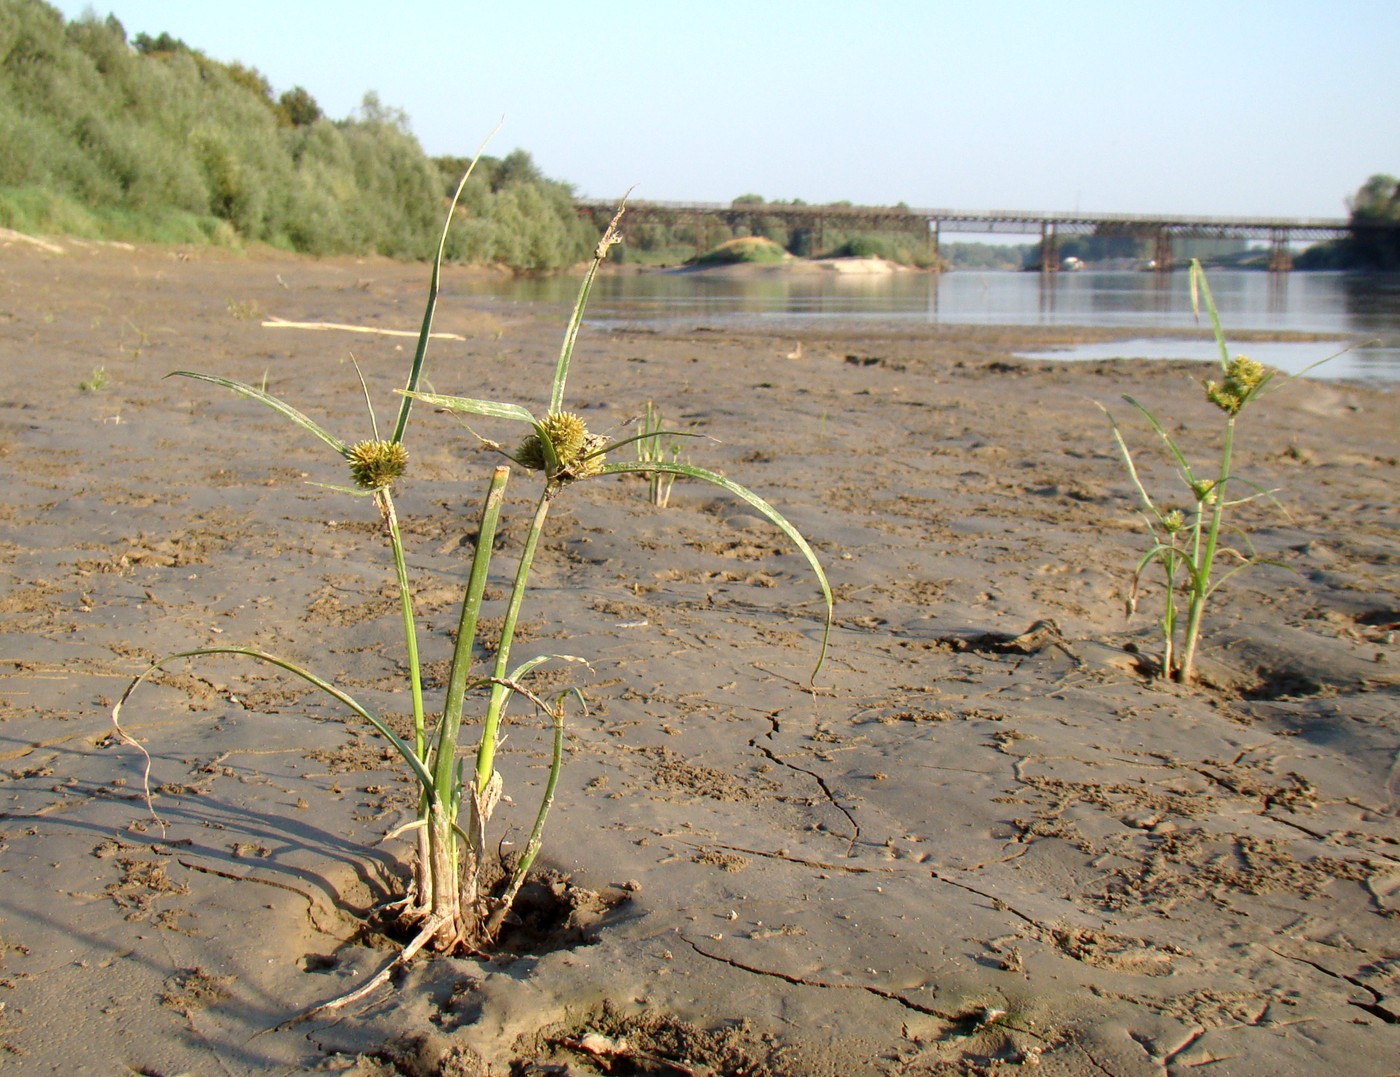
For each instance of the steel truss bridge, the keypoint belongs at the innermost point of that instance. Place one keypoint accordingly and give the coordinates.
(930, 224)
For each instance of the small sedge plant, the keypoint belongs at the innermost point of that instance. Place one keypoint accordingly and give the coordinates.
(1186, 539)
(447, 901)
(653, 446)
(96, 381)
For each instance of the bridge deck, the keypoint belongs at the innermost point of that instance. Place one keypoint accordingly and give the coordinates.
(905, 218)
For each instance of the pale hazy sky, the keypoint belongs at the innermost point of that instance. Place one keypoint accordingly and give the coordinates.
(1275, 107)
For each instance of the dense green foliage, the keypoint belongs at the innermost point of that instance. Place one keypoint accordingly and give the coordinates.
(150, 139)
(512, 215)
(894, 247)
(1100, 248)
(1376, 203)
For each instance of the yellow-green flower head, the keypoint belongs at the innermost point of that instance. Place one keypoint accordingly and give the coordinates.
(1204, 491)
(572, 443)
(1173, 521)
(1242, 377)
(376, 464)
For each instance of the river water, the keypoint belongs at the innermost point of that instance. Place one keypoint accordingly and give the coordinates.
(1344, 307)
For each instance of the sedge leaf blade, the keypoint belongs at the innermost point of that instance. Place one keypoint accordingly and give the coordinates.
(425, 332)
(775, 517)
(408, 754)
(279, 406)
(495, 409)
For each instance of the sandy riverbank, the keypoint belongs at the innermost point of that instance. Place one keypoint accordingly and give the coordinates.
(973, 845)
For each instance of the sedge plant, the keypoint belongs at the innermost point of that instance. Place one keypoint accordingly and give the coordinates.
(375, 464)
(562, 451)
(448, 901)
(653, 446)
(96, 381)
(1187, 540)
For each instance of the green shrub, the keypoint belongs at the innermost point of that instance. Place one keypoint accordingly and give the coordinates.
(755, 249)
(866, 247)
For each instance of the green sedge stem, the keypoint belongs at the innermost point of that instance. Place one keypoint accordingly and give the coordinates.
(532, 847)
(1200, 583)
(385, 503)
(445, 760)
(490, 730)
(440, 834)
(1169, 614)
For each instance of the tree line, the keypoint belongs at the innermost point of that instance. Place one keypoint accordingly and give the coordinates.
(149, 139)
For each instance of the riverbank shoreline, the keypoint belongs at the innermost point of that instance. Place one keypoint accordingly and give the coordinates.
(983, 837)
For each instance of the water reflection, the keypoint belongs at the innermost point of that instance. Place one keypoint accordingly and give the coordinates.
(1347, 306)
(1371, 299)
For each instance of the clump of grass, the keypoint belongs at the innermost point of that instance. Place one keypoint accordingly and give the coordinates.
(655, 445)
(95, 382)
(1186, 536)
(447, 901)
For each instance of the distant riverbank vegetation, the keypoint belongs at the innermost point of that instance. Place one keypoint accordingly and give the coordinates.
(148, 139)
(1376, 203)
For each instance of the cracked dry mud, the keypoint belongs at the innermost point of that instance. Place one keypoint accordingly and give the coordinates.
(985, 840)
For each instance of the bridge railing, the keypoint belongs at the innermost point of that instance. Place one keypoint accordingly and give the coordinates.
(960, 216)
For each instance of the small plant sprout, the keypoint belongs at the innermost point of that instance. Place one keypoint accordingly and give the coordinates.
(96, 381)
(456, 900)
(652, 446)
(1186, 537)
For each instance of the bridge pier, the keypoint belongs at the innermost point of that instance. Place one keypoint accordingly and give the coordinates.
(1280, 257)
(1162, 251)
(1049, 258)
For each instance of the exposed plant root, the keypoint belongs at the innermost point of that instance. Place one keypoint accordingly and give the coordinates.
(429, 930)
